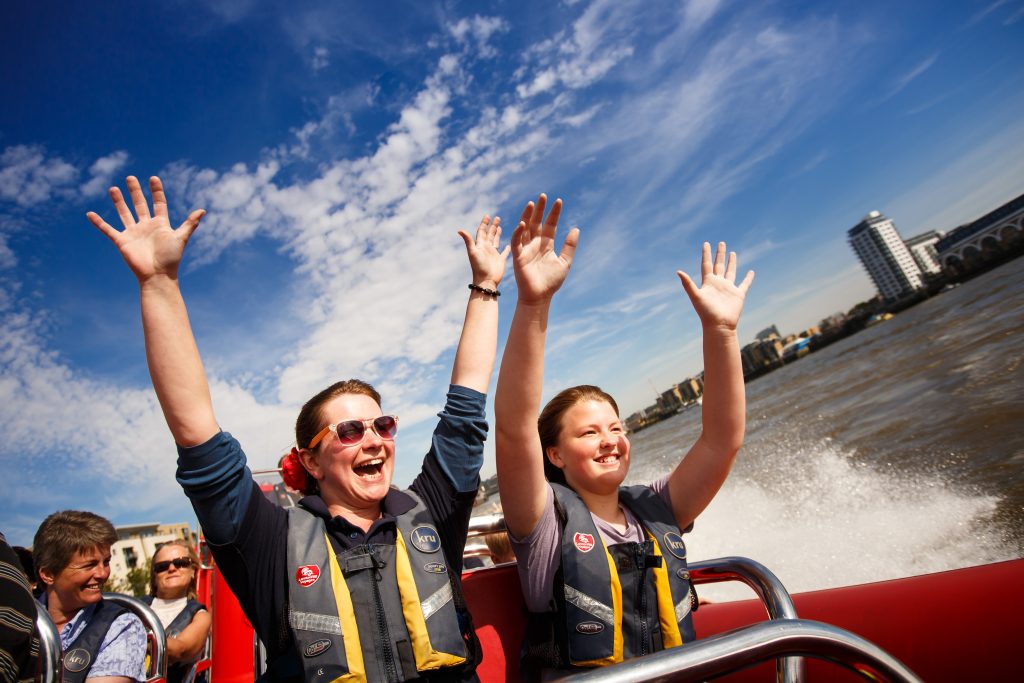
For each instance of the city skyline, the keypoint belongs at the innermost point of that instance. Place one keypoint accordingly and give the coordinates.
(338, 151)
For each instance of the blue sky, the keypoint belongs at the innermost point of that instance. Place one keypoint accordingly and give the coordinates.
(337, 148)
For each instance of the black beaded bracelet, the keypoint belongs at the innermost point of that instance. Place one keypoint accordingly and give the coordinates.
(483, 290)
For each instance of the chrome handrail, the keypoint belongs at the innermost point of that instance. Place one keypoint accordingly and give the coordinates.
(158, 665)
(769, 589)
(51, 664)
(486, 524)
(725, 653)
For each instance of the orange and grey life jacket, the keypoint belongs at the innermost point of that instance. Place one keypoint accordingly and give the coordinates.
(374, 612)
(81, 653)
(617, 602)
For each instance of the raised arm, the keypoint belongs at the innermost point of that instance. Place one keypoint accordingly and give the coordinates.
(474, 359)
(539, 273)
(718, 302)
(153, 250)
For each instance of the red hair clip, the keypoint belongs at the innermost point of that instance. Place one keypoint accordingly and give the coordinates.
(294, 474)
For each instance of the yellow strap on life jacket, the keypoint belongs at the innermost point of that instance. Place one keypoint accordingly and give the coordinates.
(427, 658)
(347, 615)
(616, 589)
(670, 636)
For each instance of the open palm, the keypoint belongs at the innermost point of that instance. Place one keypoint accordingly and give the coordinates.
(539, 270)
(719, 300)
(149, 245)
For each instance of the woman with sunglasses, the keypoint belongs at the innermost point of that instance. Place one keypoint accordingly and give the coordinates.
(602, 566)
(360, 581)
(172, 595)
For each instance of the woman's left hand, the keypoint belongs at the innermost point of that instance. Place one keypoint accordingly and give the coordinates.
(487, 262)
(719, 300)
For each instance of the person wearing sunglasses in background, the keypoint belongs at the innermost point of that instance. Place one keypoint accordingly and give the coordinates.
(360, 580)
(172, 588)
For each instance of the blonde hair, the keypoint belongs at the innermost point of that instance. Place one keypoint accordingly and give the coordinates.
(195, 567)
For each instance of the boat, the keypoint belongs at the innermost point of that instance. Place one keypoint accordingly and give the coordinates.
(956, 625)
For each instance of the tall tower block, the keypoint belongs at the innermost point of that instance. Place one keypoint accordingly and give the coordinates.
(886, 258)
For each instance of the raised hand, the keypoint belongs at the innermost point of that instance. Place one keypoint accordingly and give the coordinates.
(539, 270)
(149, 245)
(719, 300)
(487, 262)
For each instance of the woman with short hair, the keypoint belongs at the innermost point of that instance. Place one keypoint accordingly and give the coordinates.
(101, 641)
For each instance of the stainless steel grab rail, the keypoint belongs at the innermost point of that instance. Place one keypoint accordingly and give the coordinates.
(158, 664)
(769, 589)
(725, 653)
(51, 664)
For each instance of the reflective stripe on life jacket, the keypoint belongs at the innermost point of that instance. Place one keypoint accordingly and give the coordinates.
(601, 586)
(81, 653)
(373, 612)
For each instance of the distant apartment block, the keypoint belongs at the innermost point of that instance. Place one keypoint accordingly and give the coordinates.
(885, 256)
(922, 248)
(768, 333)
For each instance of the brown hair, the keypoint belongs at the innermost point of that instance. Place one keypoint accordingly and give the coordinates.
(65, 533)
(195, 567)
(549, 424)
(311, 418)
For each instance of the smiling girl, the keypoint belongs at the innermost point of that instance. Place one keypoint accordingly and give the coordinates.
(602, 566)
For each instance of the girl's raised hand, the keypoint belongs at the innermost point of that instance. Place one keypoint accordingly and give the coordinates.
(148, 243)
(487, 262)
(539, 270)
(719, 300)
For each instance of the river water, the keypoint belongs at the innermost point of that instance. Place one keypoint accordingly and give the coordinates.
(895, 452)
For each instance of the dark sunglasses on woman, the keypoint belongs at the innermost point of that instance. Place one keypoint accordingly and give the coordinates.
(179, 562)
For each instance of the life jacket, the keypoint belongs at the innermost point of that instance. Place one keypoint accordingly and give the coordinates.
(374, 612)
(618, 602)
(81, 653)
(179, 670)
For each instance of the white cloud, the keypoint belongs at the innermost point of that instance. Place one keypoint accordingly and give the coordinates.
(101, 173)
(906, 79)
(28, 177)
(698, 12)
(599, 40)
(321, 58)
(478, 31)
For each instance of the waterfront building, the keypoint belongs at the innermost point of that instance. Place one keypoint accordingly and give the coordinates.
(884, 255)
(768, 333)
(136, 544)
(670, 399)
(691, 389)
(761, 355)
(922, 248)
(997, 235)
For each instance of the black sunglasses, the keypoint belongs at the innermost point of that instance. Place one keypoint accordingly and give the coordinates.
(179, 562)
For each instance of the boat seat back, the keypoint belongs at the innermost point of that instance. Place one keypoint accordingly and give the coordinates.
(156, 640)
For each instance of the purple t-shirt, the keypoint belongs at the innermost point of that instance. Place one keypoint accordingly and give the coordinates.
(539, 554)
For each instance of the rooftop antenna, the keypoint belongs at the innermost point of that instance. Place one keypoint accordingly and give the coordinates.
(657, 394)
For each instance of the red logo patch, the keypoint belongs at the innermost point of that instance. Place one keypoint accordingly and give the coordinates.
(307, 575)
(583, 542)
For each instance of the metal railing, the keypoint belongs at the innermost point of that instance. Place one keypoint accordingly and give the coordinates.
(726, 653)
(155, 635)
(769, 589)
(50, 666)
